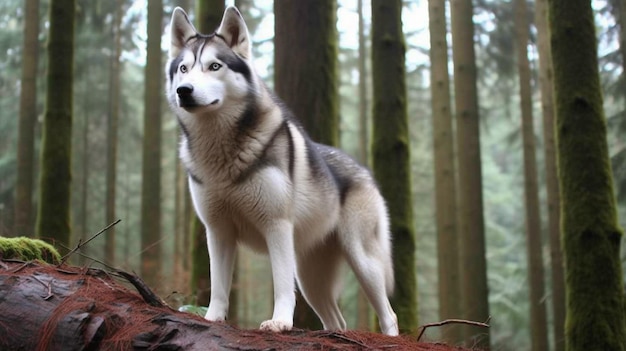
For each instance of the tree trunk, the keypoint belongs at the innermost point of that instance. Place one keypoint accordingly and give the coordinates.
(591, 236)
(445, 182)
(53, 213)
(391, 152)
(151, 164)
(305, 78)
(534, 247)
(112, 123)
(28, 118)
(363, 94)
(474, 296)
(46, 307)
(552, 183)
(305, 63)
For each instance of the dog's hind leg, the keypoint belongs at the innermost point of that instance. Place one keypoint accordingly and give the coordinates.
(320, 283)
(364, 238)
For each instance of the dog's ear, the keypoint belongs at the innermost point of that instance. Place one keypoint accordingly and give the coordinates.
(234, 30)
(181, 30)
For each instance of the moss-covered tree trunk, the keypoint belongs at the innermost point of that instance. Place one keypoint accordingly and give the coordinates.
(305, 78)
(53, 213)
(391, 151)
(474, 295)
(151, 164)
(28, 116)
(445, 171)
(534, 246)
(552, 183)
(591, 236)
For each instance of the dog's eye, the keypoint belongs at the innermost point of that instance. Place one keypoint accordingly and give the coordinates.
(183, 69)
(214, 66)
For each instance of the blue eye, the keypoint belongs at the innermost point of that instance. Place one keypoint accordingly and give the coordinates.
(214, 66)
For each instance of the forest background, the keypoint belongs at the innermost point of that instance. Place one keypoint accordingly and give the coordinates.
(501, 146)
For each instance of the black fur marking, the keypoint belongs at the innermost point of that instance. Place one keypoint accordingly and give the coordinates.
(319, 156)
(263, 160)
(249, 119)
(174, 66)
(236, 64)
(291, 151)
(194, 178)
(342, 182)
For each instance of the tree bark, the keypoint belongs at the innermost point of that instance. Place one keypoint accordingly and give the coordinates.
(112, 123)
(474, 296)
(445, 172)
(46, 307)
(151, 163)
(28, 119)
(591, 235)
(53, 213)
(391, 151)
(534, 247)
(552, 182)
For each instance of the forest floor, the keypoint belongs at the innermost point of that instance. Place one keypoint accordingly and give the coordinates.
(102, 309)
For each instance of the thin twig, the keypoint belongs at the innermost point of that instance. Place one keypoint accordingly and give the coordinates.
(91, 258)
(81, 244)
(453, 321)
(345, 338)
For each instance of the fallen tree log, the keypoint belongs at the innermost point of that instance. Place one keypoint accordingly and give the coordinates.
(49, 307)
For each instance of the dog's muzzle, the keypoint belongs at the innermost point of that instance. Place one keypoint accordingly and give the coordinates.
(185, 95)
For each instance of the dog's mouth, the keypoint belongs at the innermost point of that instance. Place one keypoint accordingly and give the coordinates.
(191, 105)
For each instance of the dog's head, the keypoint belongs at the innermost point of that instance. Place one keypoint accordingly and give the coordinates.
(206, 71)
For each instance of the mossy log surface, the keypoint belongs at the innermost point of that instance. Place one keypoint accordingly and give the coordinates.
(49, 307)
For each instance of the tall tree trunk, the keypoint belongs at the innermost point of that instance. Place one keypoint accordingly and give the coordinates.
(445, 182)
(53, 213)
(305, 63)
(474, 296)
(305, 78)
(151, 164)
(391, 151)
(538, 321)
(112, 123)
(591, 236)
(363, 97)
(552, 183)
(28, 118)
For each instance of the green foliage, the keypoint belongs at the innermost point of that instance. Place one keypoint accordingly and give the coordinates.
(27, 249)
(197, 310)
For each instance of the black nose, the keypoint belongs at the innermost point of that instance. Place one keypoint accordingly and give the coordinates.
(184, 90)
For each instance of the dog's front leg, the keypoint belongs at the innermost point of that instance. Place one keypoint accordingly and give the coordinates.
(222, 258)
(280, 245)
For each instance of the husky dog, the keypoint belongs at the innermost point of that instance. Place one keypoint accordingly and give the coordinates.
(256, 178)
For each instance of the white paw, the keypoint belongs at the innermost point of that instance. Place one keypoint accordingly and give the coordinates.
(392, 329)
(213, 317)
(276, 326)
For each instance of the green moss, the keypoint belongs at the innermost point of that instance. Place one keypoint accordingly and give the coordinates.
(590, 232)
(28, 249)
